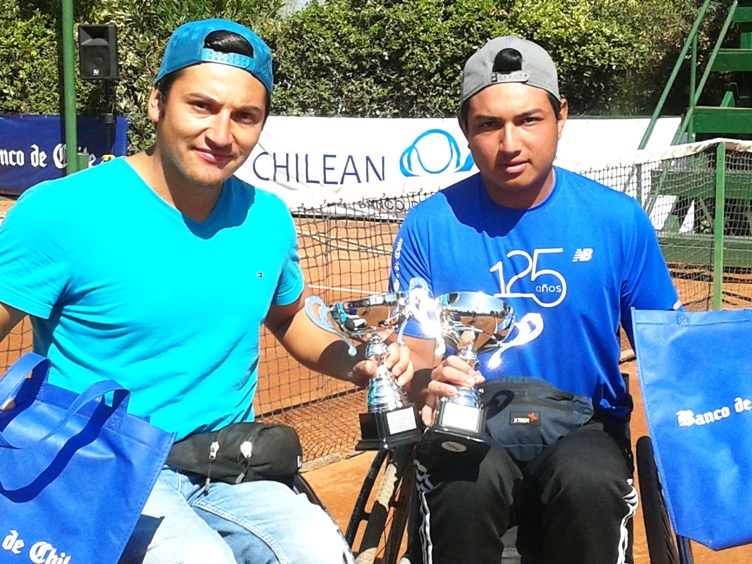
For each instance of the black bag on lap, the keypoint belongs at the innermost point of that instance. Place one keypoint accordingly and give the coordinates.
(241, 452)
(526, 414)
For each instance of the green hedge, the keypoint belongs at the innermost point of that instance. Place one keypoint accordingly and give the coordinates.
(361, 57)
(351, 57)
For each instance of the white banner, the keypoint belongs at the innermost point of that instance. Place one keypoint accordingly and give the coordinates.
(308, 161)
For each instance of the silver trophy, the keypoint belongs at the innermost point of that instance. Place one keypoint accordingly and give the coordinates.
(472, 323)
(391, 419)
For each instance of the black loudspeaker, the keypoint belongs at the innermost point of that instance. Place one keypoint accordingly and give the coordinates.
(97, 51)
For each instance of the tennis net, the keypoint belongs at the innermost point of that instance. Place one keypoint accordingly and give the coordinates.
(697, 195)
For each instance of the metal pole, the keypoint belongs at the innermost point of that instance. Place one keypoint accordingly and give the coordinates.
(692, 86)
(674, 73)
(720, 197)
(706, 74)
(69, 89)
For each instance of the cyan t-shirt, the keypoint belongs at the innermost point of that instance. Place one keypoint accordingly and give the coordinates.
(581, 259)
(120, 285)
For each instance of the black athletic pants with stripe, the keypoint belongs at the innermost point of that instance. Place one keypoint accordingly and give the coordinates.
(573, 503)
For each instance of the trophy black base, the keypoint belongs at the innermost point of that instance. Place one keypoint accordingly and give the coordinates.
(457, 431)
(441, 441)
(390, 429)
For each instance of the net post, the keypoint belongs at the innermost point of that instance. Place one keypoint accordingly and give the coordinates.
(720, 197)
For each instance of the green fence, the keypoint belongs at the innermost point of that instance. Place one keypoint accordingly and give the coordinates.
(698, 197)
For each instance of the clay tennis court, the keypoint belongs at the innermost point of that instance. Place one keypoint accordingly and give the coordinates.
(343, 260)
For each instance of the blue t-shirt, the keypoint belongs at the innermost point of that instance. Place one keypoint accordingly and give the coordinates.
(120, 285)
(581, 259)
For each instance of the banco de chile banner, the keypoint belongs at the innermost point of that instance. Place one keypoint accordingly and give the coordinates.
(311, 160)
(32, 147)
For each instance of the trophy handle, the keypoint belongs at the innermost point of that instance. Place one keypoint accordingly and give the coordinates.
(421, 306)
(528, 329)
(321, 318)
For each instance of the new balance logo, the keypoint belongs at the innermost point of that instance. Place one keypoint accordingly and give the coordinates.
(582, 255)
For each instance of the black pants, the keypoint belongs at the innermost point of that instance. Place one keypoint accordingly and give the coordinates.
(573, 503)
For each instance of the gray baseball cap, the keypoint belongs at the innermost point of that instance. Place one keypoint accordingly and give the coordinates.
(537, 68)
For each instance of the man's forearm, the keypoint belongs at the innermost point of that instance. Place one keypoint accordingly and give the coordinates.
(9, 318)
(318, 349)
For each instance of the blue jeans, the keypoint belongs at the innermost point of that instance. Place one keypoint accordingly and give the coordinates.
(253, 522)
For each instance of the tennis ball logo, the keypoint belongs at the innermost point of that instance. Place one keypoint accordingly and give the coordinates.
(433, 152)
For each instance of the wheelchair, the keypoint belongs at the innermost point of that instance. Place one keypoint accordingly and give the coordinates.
(389, 518)
(379, 519)
(664, 546)
(383, 516)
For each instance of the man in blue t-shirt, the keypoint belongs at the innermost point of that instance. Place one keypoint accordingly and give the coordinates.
(576, 256)
(157, 271)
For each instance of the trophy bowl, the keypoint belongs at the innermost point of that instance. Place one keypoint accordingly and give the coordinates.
(391, 419)
(490, 318)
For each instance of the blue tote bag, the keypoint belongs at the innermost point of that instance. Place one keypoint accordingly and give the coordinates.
(75, 469)
(695, 371)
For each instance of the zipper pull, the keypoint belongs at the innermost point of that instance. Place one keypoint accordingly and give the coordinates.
(246, 449)
(213, 449)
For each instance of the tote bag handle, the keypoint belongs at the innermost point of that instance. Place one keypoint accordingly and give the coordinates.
(39, 366)
(16, 374)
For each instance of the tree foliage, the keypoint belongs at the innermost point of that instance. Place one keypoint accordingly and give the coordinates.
(364, 58)
(377, 58)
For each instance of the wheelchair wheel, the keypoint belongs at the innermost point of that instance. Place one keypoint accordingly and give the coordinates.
(386, 518)
(301, 486)
(662, 543)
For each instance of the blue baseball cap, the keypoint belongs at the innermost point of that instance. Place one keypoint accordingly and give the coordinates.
(186, 48)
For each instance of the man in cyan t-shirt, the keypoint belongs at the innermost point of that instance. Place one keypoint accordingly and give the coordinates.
(157, 271)
(552, 243)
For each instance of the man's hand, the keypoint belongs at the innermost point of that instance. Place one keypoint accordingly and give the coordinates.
(453, 372)
(397, 361)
